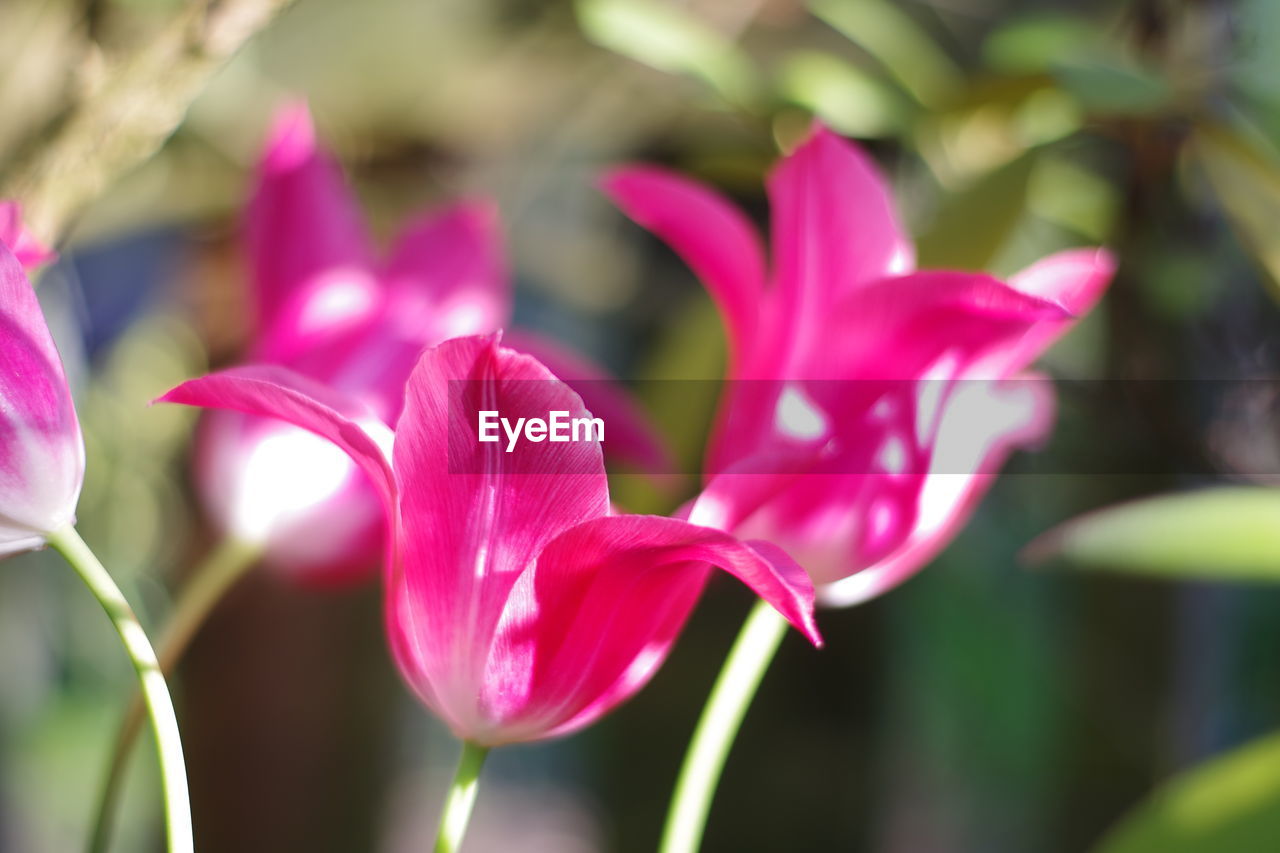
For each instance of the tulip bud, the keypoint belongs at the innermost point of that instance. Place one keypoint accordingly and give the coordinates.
(41, 449)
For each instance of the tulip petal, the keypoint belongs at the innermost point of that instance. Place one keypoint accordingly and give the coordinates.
(897, 335)
(275, 392)
(588, 626)
(718, 243)
(21, 242)
(477, 515)
(311, 259)
(916, 325)
(1074, 279)
(834, 230)
(41, 450)
(629, 435)
(447, 276)
(299, 497)
(734, 495)
(860, 535)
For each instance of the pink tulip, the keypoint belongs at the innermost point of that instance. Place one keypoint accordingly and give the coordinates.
(327, 308)
(41, 450)
(902, 380)
(518, 606)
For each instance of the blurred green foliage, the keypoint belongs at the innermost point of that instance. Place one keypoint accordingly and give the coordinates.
(1221, 534)
(1230, 803)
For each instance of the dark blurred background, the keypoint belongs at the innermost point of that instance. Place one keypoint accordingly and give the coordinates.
(981, 707)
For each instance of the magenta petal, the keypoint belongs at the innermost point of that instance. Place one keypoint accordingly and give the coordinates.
(598, 614)
(41, 451)
(21, 242)
(629, 435)
(1074, 279)
(447, 276)
(824, 523)
(929, 324)
(734, 495)
(923, 327)
(713, 237)
(311, 260)
(275, 392)
(476, 516)
(834, 230)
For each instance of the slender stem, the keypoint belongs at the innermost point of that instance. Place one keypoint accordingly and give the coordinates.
(734, 689)
(173, 771)
(210, 582)
(462, 796)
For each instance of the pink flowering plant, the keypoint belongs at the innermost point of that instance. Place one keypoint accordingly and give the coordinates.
(42, 464)
(328, 308)
(518, 604)
(896, 387)
(565, 341)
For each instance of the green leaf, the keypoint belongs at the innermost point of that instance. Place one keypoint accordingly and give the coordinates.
(1231, 803)
(1034, 44)
(1247, 183)
(891, 36)
(973, 225)
(1072, 196)
(1115, 84)
(846, 97)
(666, 37)
(1220, 534)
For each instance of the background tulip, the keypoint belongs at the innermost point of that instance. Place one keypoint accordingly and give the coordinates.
(887, 382)
(330, 310)
(844, 333)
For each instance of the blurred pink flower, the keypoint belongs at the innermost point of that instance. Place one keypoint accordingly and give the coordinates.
(41, 449)
(903, 380)
(328, 309)
(518, 606)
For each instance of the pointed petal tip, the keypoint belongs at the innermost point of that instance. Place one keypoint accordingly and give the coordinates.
(292, 138)
(797, 607)
(1073, 278)
(621, 184)
(29, 251)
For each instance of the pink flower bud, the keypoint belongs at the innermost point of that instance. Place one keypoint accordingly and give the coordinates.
(41, 449)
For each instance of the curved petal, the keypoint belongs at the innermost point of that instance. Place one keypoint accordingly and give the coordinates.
(859, 535)
(587, 627)
(275, 392)
(718, 243)
(915, 325)
(734, 495)
(1074, 279)
(629, 436)
(475, 516)
(897, 336)
(41, 450)
(834, 230)
(311, 260)
(21, 242)
(447, 276)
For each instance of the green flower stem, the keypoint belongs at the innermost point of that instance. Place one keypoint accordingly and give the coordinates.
(734, 689)
(229, 561)
(155, 692)
(462, 796)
